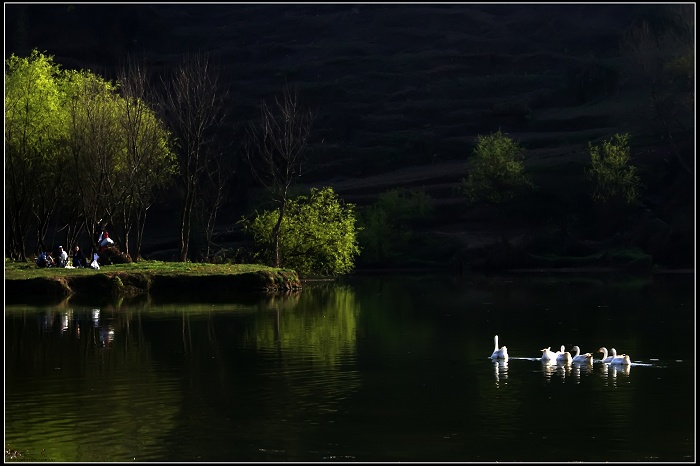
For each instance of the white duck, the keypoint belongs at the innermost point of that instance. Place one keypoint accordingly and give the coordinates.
(499, 353)
(548, 355)
(563, 357)
(581, 358)
(607, 358)
(621, 359)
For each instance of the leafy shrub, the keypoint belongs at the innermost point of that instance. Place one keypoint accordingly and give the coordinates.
(497, 173)
(614, 179)
(317, 236)
(386, 224)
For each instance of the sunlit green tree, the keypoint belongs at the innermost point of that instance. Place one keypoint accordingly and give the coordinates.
(78, 154)
(96, 143)
(35, 131)
(120, 153)
(318, 235)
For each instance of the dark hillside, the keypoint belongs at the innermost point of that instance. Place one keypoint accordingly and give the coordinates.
(412, 82)
(401, 91)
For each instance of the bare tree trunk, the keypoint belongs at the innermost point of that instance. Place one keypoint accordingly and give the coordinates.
(276, 235)
(212, 197)
(275, 151)
(185, 226)
(140, 226)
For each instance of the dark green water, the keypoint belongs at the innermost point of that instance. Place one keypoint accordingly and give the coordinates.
(373, 368)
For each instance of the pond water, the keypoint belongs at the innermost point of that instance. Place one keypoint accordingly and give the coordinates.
(381, 368)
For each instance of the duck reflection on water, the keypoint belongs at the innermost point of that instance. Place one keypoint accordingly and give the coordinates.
(619, 370)
(563, 369)
(500, 367)
(579, 369)
(610, 372)
(549, 368)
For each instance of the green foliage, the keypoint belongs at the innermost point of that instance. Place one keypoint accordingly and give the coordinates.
(386, 223)
(317, 235)
(497, 173)
(35, 128)
(614, 179)
(77, 152)
(682, 69)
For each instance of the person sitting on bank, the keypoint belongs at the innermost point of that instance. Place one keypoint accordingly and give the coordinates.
(79, 259)
(44, 260)
(104, 241)
(62, 259)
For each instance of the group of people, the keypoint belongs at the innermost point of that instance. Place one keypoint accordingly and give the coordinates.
(45, 259)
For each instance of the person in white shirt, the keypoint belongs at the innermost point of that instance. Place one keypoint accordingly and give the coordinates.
(62, 257)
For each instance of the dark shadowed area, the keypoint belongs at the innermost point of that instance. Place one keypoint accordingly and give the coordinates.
(400, 94)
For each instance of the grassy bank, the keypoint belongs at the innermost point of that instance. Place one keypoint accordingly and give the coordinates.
(24, 281)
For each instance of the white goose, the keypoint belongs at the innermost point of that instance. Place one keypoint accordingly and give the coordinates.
(548, 355)
(499, 353)
(581, 358)
(620, 359)
(607, 358)
(563, 357)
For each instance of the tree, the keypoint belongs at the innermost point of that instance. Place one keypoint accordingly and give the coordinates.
(96, 145)
(78, 154)
(35, 131)
(213, 195)
(148, 164)
(318, 234)
(120, 153)
(387, 223)
(615, 180)
(193, 105)
(497, 173)
(659, 54)
(275, 152)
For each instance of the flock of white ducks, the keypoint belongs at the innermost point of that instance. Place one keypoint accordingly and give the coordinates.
(564, 357)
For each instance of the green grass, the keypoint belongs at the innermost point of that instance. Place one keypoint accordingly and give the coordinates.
(16, 270)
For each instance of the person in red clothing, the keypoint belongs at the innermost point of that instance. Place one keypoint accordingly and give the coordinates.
(104, 241)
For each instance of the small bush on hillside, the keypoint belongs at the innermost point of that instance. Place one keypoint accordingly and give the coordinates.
(614, 179)
(387, 224)
(497, 173)
(615, 184)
